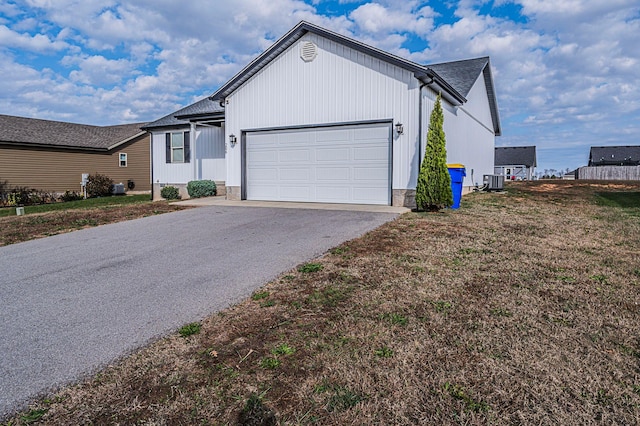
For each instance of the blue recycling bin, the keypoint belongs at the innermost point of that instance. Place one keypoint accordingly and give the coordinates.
(457, 173)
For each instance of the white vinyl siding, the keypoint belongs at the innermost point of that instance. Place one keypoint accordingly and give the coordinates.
(338, 164)
(340, 85)
(209, 157)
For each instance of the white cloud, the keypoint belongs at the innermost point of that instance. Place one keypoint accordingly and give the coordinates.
(35, 43)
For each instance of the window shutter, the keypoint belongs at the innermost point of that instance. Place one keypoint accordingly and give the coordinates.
(168, 147)
(187, 147)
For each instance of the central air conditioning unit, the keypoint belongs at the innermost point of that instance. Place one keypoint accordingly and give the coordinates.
(493, 182)
(117, 189)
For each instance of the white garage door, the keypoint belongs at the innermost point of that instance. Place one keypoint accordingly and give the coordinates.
(342, 164)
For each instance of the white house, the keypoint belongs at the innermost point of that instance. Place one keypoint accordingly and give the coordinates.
(320, 117)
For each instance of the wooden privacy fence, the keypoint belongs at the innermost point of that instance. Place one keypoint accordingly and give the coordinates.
(609, 173)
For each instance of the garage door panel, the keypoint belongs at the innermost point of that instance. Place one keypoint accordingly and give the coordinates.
(293, 138)
(294, 155)
(333, 154)
(334, 135)
(262, 157)
(332, 194)
(370, 174)
(370, 133)
(298, 174)
(265, 174)
(333, 173)
(295, 192)
(345, 164)
(375, 153)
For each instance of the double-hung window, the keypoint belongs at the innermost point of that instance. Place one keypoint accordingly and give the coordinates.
(177, 147)
(123, 159)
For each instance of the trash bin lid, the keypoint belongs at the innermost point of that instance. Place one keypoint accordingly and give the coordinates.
(455, 166)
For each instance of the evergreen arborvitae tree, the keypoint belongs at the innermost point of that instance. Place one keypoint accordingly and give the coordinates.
(434, 183)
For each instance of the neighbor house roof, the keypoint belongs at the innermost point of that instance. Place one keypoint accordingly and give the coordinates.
(45, 133)
(204, 108)
(614, 155)
(516, 156)
(452, 79)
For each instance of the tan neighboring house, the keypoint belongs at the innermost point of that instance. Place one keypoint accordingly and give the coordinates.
(53, 155)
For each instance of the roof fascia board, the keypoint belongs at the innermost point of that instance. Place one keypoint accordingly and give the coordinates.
(493, 101)
(49, 146)
(208, 115)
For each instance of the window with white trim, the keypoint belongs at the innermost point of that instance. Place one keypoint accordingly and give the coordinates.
(123, 159)
(177, 147)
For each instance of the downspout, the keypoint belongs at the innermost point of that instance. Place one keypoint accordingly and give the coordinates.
(420, 135)
(151, 165)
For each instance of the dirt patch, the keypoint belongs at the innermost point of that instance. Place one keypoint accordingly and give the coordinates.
(519, 308)
(15, 229)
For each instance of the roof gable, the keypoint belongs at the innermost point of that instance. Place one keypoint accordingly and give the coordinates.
(463, 74)
(516, 156)
(628, 155)
(35, 132)
(452, 79)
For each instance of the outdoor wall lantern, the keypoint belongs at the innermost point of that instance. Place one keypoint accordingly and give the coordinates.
(399, 128)
(232, 140)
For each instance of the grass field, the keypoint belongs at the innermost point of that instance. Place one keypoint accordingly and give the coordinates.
(519, 308)
(51, 219)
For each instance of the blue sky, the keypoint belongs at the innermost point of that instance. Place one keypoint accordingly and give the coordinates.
(567, 72)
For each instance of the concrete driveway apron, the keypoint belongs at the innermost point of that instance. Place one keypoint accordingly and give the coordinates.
(72, 303)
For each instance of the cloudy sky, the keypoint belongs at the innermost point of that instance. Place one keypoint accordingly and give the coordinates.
(567, 72)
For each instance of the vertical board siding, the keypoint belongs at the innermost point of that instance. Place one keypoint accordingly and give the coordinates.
(339, 85)
(209, 157)
(61, 170)
(610, 173)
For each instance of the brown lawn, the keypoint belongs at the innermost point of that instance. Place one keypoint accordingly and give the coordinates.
(519, 308)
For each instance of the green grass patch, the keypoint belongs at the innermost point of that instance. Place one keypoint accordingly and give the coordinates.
(260, 295)
(33, 416)
(190, 329)
(80, 204)
(625, 200)
(310, 267)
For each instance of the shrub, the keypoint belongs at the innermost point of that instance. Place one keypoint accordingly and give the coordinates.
(25, 196)
(170, 193)
(201, 188)
(70, 196)
(99, 186)
(4, 191)
(433, 191)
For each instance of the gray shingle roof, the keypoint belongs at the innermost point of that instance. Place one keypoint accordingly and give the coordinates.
(628, 155)
(516, 156)
(203, 107)
(461, 74)
(36, 132)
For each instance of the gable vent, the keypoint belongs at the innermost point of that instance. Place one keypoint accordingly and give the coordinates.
(308, 51)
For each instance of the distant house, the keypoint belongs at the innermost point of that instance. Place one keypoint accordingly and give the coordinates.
(53, 155)
(612, 163)
(515, 162)
(614, 156)
(572, 175)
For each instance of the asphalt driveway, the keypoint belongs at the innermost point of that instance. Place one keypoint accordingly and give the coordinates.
(70, 304)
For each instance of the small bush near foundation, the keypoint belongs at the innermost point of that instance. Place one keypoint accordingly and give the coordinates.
(70, 196)
(170, 193)
(99, 186)
(201, 188)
